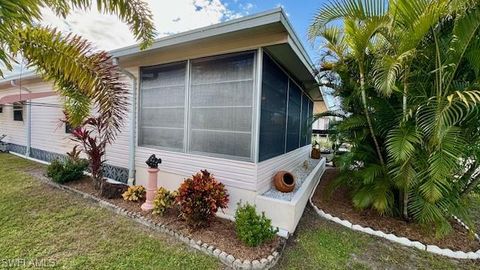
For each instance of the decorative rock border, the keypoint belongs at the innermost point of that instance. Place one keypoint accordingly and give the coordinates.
(224, 257)
(402, 240)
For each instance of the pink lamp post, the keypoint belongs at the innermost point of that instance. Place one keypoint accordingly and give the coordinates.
(152, 163)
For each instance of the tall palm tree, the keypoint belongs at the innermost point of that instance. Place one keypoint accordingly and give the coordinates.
(79, 73)
(426, 69)
(363, 21)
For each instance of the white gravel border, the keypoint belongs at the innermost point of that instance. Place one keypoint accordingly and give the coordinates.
(224, 257)
(473, 255)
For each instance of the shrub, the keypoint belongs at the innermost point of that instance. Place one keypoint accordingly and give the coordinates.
(253, 229)
(67, 171)
(134, 193)
(164, 199)
(200, 197)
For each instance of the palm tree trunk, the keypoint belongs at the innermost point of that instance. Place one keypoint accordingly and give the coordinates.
(367, 115)
(472, 183)
(404, 191)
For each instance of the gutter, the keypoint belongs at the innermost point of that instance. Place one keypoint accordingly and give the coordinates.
(28, 131)
(133, 122)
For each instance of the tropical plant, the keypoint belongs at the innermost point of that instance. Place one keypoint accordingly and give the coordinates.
(164, 199)
(200, 197)
(420, 78)
(71, 169)
(134, 193)
(253, 229)
(91, 135)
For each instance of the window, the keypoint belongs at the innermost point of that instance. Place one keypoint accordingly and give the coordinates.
(218, 92)
(285, 113)
(162, 104)
(273, 110)
(293, 120)
(221, 105)
(68, 128)
(304, 120)
(17, 112)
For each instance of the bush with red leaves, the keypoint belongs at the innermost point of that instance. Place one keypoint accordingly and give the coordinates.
(200, 197)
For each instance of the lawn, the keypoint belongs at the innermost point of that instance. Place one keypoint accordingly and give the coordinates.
(39, 222)
(44, 225)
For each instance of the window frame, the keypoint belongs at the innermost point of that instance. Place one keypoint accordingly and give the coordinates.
(139, 107)
(187, 105)
(303, 94)
(16, 107)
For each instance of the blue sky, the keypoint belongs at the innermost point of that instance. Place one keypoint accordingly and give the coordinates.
(174, 16)
(300, 14)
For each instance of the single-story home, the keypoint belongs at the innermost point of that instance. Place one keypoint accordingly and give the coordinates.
(233, 98)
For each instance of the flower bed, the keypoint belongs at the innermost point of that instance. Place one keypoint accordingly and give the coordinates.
(340, 209)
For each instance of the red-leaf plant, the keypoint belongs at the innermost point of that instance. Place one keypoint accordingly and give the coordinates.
(200, 197)
(92, 137)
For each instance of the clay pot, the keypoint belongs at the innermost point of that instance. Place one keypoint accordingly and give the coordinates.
(315, 153)
(284, 181)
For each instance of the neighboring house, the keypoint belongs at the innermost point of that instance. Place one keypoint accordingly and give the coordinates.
(230, 98)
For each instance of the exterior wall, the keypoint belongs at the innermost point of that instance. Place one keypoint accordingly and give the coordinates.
(287, 162)
(48, 138)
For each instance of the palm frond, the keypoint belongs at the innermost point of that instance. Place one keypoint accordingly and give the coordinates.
(72, 64)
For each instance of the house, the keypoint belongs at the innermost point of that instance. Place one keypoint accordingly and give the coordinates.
(232, 98)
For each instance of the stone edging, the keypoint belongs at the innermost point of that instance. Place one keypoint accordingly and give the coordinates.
(402, 240)
(226, 258)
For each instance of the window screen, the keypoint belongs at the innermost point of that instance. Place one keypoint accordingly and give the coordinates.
(310, 118)
(17, 112)
(293, 121)
(162, 104)
(221, 103)
(273, 110)
(304, 120)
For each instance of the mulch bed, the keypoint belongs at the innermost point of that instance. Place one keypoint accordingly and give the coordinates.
(339, 204)
(220, 234)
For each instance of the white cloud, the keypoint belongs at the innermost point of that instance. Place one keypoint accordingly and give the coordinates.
(107, 32)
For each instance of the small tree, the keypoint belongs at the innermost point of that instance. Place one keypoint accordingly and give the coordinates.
(91, 135)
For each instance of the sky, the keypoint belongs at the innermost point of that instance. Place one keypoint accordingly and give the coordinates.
(174, 16)
(107, 32)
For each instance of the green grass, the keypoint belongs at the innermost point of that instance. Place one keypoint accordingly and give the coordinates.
(42, 223)
(39, 222)
(320, 244)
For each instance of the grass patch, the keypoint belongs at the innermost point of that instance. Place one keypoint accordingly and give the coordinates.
(42, 223)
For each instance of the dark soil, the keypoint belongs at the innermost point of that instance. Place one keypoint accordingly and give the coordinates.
(339, 204)
(220, 234)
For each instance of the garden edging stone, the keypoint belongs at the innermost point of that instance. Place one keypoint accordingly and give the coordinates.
(402, 240)
(227, 259)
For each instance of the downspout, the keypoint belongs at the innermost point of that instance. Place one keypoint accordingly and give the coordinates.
(133, 123)
(28, 131)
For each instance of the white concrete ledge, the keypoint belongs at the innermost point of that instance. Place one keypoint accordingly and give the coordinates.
(401, 240)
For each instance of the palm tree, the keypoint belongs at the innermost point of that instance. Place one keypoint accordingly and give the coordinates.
(362, 23)
(82, 75)
(426, 69)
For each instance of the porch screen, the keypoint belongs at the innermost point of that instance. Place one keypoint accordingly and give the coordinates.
(221, 104)
(162, 103)
(293, 120)
(273, 110)
(304, 120)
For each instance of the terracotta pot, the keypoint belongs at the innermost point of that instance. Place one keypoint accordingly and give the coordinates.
(315, 153)
(284, 181)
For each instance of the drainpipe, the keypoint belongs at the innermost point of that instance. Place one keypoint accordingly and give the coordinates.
(28, 131)
(133, 123)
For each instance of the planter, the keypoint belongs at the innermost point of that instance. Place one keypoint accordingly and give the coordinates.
(315, 153)
(284, 181)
